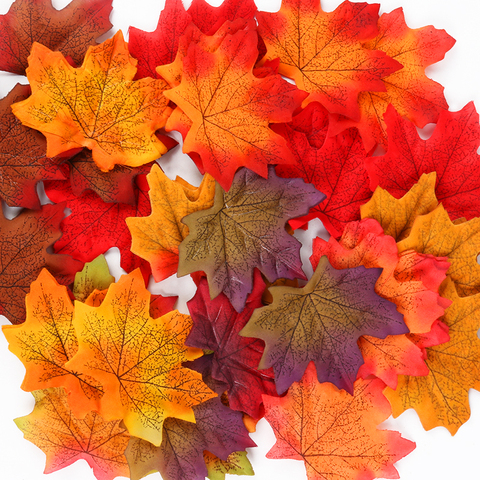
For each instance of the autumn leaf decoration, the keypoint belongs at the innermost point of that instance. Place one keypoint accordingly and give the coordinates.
(281, 114)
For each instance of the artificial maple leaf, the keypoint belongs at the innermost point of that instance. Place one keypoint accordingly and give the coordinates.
(337, 169)
(322, 322)
(397, 216)
(451, 151)
(322, 51)
(23, 162)
(209, 18)
(435, 234)
(71, 30)
(441, 397)
(46, 341)
(216, 429)
(231, 109)
(115, 186)
(156, 238)
(409, 90)
(409, 280)
(65, 439)
(94, 226)
(237, 463)
(137, 359)
(159, 47)
(245, 229)
(94, 275)
(96, 106)
(335, 433)
(216, 327)
(23, 244)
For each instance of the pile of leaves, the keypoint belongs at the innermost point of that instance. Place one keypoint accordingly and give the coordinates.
(388, 320)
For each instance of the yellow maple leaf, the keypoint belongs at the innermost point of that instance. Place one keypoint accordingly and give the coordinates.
(156, 238)
(137, 359)
(97, 106)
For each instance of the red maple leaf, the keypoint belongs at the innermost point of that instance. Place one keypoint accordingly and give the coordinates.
(71, 30)
(337, 169)
(95, 226)
(451, 151)
(216, 325)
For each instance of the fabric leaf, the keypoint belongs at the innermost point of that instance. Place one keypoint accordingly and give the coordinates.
(137, 360)
(156, 238)
(23, 162)
(180, 456)
(71, 30)
(237, 463)
(245, 229)
(322, 51)
(97, 106)
(322, 322)
(65, 439)
(94, 275)
(335, 433)
(441, 397)
(216, 327)
(451, 151)
(231, 109)
(24, 242)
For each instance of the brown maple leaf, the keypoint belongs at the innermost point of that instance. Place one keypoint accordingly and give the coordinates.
(96, 106)
(23, 253)
(71, 30)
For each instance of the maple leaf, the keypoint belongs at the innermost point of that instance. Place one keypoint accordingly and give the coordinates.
(115, 186)
(336, 169)
(231, 109)
(94, 226)
(397, 216)
(71, 30)
(216, 327)
(65, 439)
(322, 51)
(46, 341)
(409, 90)
(156, 238)
(245, 229)
(237, 463)
(209, 18)
(94, 275)
(216, 429)
(322, 322)
(160, 46)
(409, 280)
(451, 151)
(441, 397)
(334, 433)
(137, 360)
(23, 162)
(23, 244)
(435, 234)
(95, 106)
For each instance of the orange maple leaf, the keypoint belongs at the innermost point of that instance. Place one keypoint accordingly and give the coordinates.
(65, 439)
(97, 106)
(231, 109)
(156, 238)
(137, 359)
(333, 432)
(441, 397)
(323, 53)
(46, 341)
(409, 90)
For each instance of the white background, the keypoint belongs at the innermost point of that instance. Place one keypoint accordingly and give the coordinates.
(438, 455)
